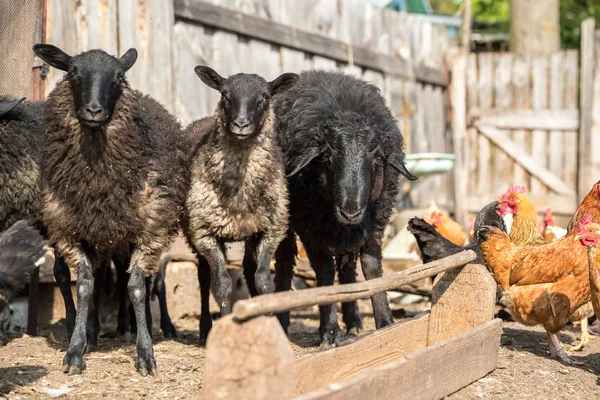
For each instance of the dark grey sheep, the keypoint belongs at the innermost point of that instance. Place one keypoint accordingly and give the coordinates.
(238, 189)
(344, 154)
(114, 176)
(22, 249)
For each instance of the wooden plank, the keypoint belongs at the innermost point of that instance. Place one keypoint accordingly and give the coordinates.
(431, 373)
(461, 299)
(485, 88)
(472, 135)
(555, 138)
(571, 103)
(458, 100)
(286, 301)
(284, 35)
(319, 369)
(502, 99)
(521, 85)
(587, 174)
(539, 100)
(527, 161)
(515, 118)
(253, 359)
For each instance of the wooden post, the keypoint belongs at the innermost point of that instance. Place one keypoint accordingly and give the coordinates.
(250, 360)
(465, 34)
(458, 98)
(586, 172)
(462, 299)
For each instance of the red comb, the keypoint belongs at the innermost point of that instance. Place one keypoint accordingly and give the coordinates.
(517, 189)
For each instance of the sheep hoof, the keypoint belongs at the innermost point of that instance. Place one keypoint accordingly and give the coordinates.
(353, 331)
(146, 366)
(73, 364)
(331, 338)
(169, 331)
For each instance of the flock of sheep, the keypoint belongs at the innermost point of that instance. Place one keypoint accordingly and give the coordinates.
(108, 175)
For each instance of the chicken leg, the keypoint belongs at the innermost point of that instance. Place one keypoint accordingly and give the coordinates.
(558, 352)
(585, 336)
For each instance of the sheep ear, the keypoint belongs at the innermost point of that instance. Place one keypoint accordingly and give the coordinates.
(128, 59)
(283, 82)
(7, 106)
(298, 163)
(398, 164)
(210, 77)
(53, 56)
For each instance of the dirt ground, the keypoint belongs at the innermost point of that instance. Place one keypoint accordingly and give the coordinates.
(30, 366)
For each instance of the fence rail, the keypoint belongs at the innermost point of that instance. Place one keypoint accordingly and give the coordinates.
(286, 301)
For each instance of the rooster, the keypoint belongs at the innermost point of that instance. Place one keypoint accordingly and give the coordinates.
(22, 249)
(433, 246)
(545, 283)
(447, 227)
(523, 228)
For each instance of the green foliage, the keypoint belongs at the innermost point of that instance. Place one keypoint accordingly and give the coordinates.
(494, 16)
(572, 13)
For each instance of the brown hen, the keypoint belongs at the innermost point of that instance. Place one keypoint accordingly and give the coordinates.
(545, 283)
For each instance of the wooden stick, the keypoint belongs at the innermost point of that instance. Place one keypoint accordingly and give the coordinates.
(286, 301)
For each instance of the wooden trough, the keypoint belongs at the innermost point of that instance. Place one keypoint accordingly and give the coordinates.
(426, 357)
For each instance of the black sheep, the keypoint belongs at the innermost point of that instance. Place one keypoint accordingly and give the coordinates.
(434, 246)
(22, 249)
(344, 154)
(114, 176)
(238, 189)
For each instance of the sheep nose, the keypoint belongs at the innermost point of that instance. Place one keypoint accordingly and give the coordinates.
(351, 215)
(94, 110)
(241, 123)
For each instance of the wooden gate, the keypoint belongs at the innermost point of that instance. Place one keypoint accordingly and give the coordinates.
(522, 127)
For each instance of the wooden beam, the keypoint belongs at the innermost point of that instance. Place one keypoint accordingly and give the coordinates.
(556, 120)
(458, 101)
(286, 301)
(586, 176)
(462, 299)
(317, 370)
(252, 360)
(524, 159)
(208, 14)
(431, 373)
(560, 204)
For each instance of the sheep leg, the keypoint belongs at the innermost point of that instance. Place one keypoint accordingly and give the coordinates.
(136, 287)
(370, 260)
(351, 315)
(166, 325)
(122, 278)
(223, 285)
(250, 265)
(73, 362)
(93, 324)
(285, 261)
(324, 267)
(262, 277)
(205, 317)
(62, 275)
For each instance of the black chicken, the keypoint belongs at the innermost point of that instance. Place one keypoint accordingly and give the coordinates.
(434, 246)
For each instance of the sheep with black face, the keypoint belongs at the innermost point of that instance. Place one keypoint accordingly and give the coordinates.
(238, 189)
(22, 249)
(114, 176)
(344, 154)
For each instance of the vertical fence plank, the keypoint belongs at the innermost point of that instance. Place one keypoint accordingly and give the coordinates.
(459, 127)
(556, 162)
(486, 74)
(588, 61)
(503, 166)
(472, 135)
(539, 139)
(570, 138)
(521, 84)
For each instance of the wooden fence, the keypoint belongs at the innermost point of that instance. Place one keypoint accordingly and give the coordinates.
(426, 357)
(400, 53)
